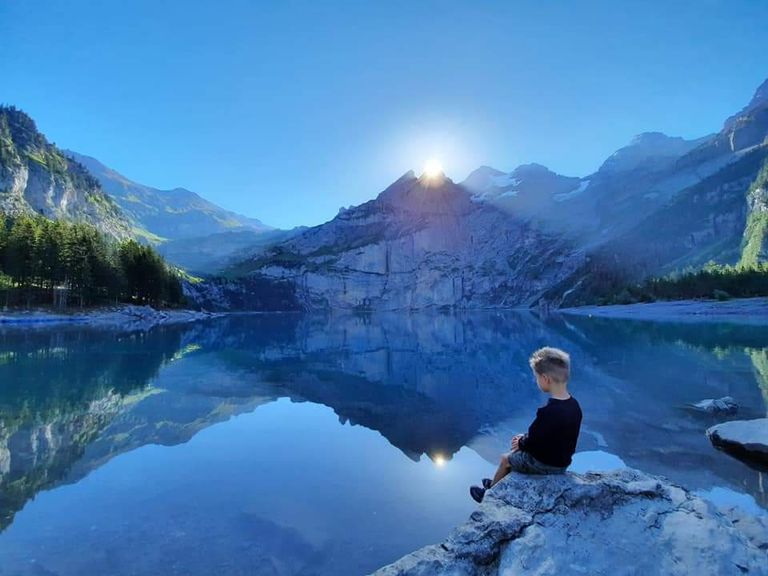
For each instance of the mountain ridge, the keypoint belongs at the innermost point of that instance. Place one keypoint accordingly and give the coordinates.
(171, 214)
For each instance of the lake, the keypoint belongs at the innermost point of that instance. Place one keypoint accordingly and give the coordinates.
(329, 445)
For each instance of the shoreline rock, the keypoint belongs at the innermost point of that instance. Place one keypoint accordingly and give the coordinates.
(621, 522)
(128, 316)
(724, 405)
(745, 439)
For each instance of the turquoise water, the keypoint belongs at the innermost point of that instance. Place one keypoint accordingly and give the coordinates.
(282, 444)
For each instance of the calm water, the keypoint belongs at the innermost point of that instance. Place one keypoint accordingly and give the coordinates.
(288, 445)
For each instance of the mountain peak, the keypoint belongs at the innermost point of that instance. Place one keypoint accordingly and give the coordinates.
(761, 95)
(759, 101)
(486, 170)
(759, 98)
(426, 195)
(532, 169)
(648, 151)
(651, 138)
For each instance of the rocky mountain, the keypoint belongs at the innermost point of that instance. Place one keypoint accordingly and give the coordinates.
(530, 191)
(649, 152)
(497, 239)
(706, 206)
(634, 181)
(659, 204)
(36, 176)
(527, 187)
(167, 214)
(422, 243)
(742, 131)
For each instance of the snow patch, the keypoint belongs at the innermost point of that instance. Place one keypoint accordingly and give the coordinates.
(583, 185)
(499, 186)
(504, 180)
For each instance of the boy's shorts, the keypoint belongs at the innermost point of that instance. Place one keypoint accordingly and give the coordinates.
(526, 464)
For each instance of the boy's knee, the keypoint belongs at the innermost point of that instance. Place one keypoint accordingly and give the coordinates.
(516, 461)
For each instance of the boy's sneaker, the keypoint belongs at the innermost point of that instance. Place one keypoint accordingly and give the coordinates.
(477, 493)
(487, 483)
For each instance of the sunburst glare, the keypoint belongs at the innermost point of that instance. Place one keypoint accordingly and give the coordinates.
(433, 168)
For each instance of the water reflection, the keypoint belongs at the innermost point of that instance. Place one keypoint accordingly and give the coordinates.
(58, 389)
(94, 409)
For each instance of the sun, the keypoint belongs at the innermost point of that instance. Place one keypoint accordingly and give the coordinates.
(433, 168)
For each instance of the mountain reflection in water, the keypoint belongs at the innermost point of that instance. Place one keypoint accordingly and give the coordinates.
(283, 488)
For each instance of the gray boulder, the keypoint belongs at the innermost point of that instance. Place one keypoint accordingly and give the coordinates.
(746, 439)
(622, 522)
(724, 405)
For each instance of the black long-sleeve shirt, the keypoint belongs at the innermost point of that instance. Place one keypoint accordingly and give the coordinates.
(552, 436)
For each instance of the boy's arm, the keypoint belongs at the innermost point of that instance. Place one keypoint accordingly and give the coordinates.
(529, 440)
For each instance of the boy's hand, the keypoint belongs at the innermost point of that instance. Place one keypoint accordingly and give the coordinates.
(516, 442)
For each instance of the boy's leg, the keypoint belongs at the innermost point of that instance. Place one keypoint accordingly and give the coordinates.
(504, 468)
(517, 461)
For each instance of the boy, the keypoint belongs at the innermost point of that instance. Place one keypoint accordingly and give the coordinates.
(548, 446)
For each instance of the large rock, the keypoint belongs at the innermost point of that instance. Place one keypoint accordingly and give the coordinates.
(747, 439)
(622, 522)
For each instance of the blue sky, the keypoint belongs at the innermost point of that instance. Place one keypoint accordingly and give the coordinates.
(288, 110)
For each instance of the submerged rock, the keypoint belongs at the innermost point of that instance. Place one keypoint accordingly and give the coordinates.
(622, 522)
(746, 439)
(724, 405)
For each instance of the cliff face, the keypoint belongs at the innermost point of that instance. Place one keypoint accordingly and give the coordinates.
(703, 222)
(420, 244)
(755, 242)
(35, 176)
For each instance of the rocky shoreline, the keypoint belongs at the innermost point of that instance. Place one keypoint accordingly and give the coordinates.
(746, 310)
(127, 317)
(620, 522)
(742, 310)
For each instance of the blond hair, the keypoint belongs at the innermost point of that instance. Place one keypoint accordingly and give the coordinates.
(552, 362)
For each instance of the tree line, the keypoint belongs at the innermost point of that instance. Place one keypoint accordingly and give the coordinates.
(716, 281)
(45, 261)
